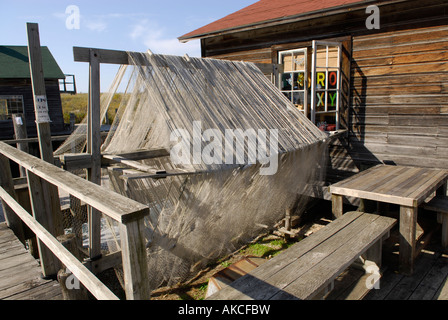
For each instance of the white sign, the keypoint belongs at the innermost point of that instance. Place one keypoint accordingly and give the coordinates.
(19, 121)
(41, 109)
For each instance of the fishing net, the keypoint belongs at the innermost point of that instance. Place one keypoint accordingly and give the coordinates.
(238, 155)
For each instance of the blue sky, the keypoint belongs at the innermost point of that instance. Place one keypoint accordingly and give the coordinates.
(132, 25)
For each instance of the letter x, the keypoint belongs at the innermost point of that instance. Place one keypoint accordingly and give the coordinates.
(321, 101)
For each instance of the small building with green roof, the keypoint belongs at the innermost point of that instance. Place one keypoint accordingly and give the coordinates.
(16, 94)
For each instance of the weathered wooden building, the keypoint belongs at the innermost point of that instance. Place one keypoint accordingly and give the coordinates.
(16, 94)
(380, 72)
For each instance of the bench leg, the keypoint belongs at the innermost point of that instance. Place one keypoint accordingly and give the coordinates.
(321, 295)
(374, 254)
(337, 204)
(372, 260)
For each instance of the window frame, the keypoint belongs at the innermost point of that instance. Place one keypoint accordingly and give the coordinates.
(8, 115)
(314, 70)
(305, 71)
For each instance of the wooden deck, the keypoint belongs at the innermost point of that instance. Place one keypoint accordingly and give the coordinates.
(20, 273)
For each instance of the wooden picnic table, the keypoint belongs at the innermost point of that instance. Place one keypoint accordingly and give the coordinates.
(405, 186)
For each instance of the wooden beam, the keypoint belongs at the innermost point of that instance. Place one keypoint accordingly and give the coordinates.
(108, 159)
(30, 140)
(19, 123)
(89, 280)
(41, 207)
(105, 262)
(135, 265)
(75, 161)
(131, 163)
(94, 149)
(52, 205)
(82, 54)
(39, 93)
(131, 174)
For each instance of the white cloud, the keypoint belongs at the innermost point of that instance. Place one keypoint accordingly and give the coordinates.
(98, 26)
(155, 38)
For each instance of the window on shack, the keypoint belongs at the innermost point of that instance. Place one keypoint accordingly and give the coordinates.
(314, 88)
(10, 105)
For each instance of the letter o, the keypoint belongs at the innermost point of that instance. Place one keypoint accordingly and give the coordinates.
(333, 78)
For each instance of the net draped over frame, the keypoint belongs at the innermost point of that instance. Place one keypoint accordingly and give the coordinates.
(213, 208)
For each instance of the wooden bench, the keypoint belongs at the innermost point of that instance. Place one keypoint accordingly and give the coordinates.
(308, 269)
(439, 204)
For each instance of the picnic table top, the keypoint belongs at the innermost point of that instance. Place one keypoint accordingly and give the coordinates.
(402, 185)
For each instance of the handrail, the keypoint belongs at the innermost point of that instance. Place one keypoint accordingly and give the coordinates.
(112, 204)
(127, 212)
(87, 278)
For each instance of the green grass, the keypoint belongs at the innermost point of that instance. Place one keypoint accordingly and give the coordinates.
(265, 248)
(77, 104)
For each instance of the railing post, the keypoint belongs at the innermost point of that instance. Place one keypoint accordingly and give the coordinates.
(42, 211)
(44, 196)
(19, 123)
(6, 182)
(135, 265)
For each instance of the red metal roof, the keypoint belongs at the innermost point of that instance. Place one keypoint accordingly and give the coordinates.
(264, 11)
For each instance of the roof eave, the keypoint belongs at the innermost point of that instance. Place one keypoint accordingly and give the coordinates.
(289, 19)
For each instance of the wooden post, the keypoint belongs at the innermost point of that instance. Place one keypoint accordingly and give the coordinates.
(135, 265)
(337, 204)
(19, 123)
(78, 216)
(72, 121)
(71, 287)
(288, 222)
(41, 206)
(94, 148)
(408, 230)
(39, 93)
(6, 182)
(48, 195)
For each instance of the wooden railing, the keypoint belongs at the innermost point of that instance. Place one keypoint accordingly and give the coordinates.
(130, 214)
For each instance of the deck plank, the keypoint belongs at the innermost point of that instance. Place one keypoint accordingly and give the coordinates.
(20, 273)
(431, 283)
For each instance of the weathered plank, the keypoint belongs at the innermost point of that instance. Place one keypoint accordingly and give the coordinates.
(20, 273)
(271, 279)
(327, 270)
(407, 186)
(93, 148)
(108, 160)
(104, 56)
(135, 265)
(433, 280)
